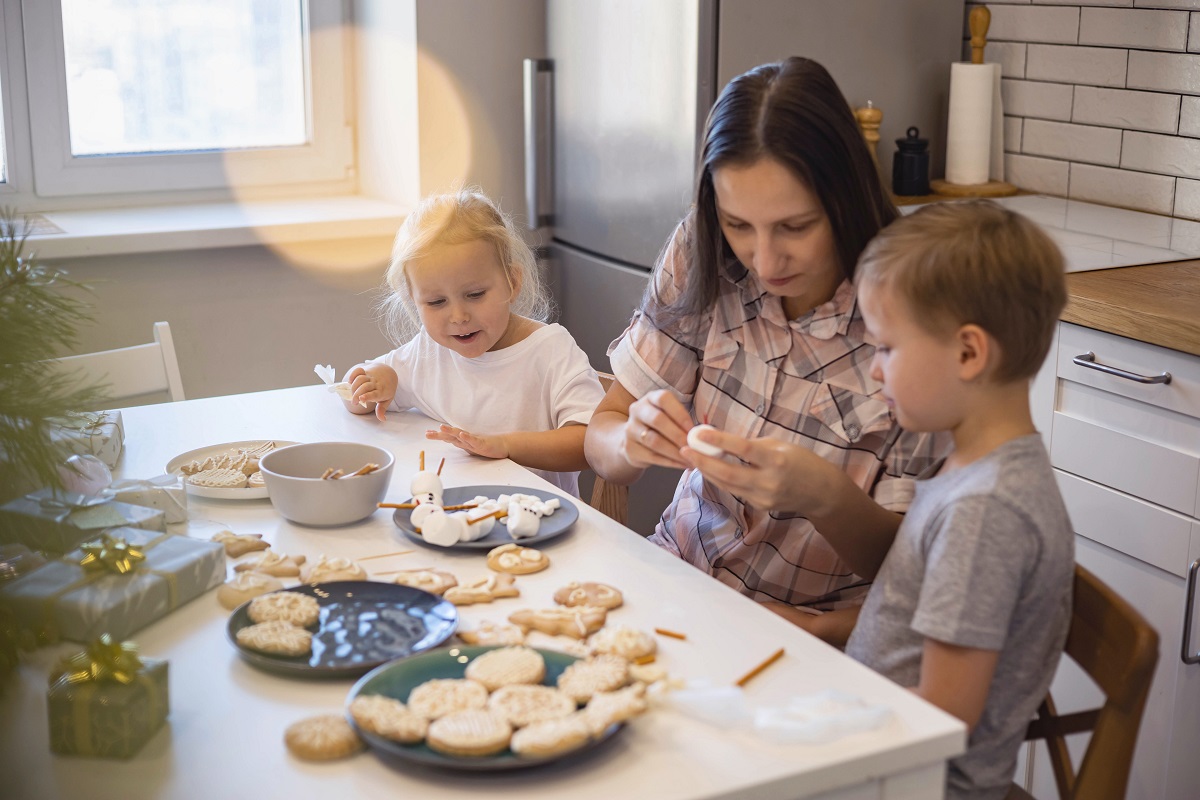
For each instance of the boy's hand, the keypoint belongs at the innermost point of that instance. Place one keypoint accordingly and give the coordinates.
(656, 430)
(372, 384)
(486, 446)
(766, 474)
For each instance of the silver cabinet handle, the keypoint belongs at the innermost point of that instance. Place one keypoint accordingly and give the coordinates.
(539, 142)
(1088, 360)
(1189, 655)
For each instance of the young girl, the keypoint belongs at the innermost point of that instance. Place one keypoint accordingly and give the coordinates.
(467, 298)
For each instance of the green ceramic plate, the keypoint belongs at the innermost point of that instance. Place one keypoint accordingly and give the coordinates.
(398, 678)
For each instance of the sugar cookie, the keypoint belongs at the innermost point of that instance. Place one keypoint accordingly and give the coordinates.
(506, 666)
(524, 704)
(559, 644)
(517, 560)
(589, 594)
(624, 641)
(271, 563)
(551, 737)
(322, 738)
(607, 708)
(578, 622)
(239, 544)
(601, 673)
(295, 608)
(255, 480)
(246, 586)
(491, 633)
(335, 569)
(439, 697)
(484, 590)
(469, 733)
(434, 581)
(389, 718)
(231, 478)
(276, 637)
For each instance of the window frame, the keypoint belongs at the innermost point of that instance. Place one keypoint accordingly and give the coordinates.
(328, 156)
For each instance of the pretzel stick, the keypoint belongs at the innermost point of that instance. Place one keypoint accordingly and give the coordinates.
(421, 465)
(365, 469)
(672, 634)
(498, 513)
(742, 681)
(333, 476)
(325, 475)
(459, 507)
(386, 555)
(440, 465)
(647, 659)
(398, 571)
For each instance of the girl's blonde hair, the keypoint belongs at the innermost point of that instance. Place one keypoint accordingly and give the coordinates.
(457, 218)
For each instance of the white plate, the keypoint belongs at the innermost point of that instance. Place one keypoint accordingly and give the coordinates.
(201, 453)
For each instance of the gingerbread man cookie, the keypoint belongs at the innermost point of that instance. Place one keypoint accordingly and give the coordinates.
(517, 560)
(434, 581)
(240, 544)
(484, 590)
(578, 623)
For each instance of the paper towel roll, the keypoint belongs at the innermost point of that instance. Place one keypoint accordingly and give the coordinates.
(969, 142)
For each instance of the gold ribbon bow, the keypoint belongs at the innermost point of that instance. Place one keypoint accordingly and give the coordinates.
(104, 660)
(111, 553)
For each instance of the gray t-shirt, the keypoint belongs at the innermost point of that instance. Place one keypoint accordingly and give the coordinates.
(983, 559)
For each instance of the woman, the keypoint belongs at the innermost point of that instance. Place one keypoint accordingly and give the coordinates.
(750, 325)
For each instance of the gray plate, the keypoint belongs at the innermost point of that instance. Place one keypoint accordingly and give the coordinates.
(554, 525)
(363, 624)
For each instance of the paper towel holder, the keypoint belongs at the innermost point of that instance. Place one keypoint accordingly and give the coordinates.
(978, 21)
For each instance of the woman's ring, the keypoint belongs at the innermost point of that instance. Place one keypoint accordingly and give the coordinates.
(642, 437)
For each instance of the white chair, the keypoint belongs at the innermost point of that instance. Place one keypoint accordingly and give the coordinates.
(132, 371)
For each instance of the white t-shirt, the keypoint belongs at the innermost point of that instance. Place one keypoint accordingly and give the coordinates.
(539, 384)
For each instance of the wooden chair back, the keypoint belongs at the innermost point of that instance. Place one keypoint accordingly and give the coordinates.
(131, 371)
(1118, 649)
(609, 498)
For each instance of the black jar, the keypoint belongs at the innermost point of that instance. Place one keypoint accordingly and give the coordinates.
(910, 165)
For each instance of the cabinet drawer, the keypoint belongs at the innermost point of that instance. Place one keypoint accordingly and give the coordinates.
(1181, 395)
(1132, 526)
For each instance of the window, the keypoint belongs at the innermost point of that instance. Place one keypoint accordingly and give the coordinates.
(169, 95)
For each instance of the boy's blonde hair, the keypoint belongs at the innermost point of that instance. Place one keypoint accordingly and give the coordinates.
(974, 262)
(457, 218)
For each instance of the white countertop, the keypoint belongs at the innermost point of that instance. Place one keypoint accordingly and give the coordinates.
(223, 738)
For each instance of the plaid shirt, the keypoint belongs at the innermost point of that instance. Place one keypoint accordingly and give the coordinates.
(750, 371)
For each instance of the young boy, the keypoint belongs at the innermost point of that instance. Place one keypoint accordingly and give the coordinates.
(972, 599)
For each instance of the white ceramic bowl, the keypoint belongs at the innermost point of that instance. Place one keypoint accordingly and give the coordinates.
(293, 477)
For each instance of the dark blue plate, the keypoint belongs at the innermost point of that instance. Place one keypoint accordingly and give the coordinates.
(399, 678)
(553, 525)
(363, 624)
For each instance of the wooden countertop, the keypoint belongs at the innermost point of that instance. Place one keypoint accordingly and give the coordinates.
(1156, 303)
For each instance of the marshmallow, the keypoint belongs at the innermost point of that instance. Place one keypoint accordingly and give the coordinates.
(428, 484)
(444, 529)
(702, 447)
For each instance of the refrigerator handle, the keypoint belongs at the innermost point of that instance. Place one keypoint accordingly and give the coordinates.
(539, 142)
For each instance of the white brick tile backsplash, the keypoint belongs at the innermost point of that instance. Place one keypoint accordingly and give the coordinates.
(1187, 198)
(1189, 117)
(1193, 34)
(1072, 142)
(1152, 152)
(1009, 55)
(1092, 66)
(1167, 3)
(1083, 2)
(1143, 28)
(1037, 99)
(1012, 134)
(1042, 175)
(1165, 72)
(1054, 24)
(1121, 108)
(1122, 187)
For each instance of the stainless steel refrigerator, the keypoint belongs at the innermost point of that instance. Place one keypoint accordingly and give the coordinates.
(614, 116)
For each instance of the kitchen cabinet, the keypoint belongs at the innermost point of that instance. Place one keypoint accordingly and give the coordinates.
(1127, 460)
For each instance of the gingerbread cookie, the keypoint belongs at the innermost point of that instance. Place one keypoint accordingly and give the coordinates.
(219, 479)
(579, 622)
(256, 480)
(608, 708)
(434, 581)
(439, 697)
(517, 560)
(389, 718)
(335, 569)
(322, 738)
(239, 544)
(585, 678)
(551, 737)
(484, 590)
(624, 641)
(491, 633)
(589, 594)
(246, 586)
(507, 666)
(524, 704)
(276, 637)
(559, 644)
(294, 608)
(272, 563)
(469, 733)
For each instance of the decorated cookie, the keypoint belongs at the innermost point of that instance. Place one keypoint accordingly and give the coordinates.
(524, 704)
(624, 641)
(551, 737)
(439, 697)
(484, 590)
(469, 733)
(434, 581)
(389, 718)
(219, 479)
(491, 633)
(579, 622)
(607, 708)
(589, 594)
(276, 637)
(256, 480)
(517, 560)
(239, 544)
(295, 608)
(559, 644)
(322, 738)
(246, 586)
(272, 563)
(582, 679)
(335, 569)
(507, 666)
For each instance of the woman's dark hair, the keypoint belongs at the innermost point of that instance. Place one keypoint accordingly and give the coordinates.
(793, 112)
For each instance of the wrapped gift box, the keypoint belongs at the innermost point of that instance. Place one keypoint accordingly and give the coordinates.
(165, 493)
(65, 600)
(97, 433)
(56, 522)
(107, 718)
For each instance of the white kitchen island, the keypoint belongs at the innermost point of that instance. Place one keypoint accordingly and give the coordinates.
(224, 735)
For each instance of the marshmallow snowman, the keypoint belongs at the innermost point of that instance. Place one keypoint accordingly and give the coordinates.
(444, 529)
(484, 507)
(426, 487)
(525, 512)
(422, 511)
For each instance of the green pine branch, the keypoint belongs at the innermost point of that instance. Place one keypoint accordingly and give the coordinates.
(40, 315)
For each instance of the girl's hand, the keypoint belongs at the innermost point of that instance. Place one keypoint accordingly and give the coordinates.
(372, 384)
(766, 474)
(657, 429)
(486, 446)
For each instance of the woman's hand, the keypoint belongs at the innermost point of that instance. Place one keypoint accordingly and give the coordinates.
(657, 429)
(486, 446)
(767, 474)
(372, 384)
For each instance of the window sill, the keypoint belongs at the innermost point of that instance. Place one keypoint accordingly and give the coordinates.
(202, 226)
